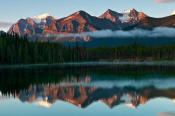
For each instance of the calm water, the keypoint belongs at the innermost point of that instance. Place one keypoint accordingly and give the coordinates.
(88, 91)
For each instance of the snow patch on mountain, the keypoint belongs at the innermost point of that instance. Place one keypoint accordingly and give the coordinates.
(41, 18)
(127, 11)
(173, 13)
(125, 16)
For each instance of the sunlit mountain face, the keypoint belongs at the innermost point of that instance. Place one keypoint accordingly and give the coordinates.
(77, 22)
(83, 86)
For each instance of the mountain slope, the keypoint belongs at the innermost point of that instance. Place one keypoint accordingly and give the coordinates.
(150, 22)
(111, 15)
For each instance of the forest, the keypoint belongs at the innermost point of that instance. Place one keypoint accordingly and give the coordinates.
(18, 50)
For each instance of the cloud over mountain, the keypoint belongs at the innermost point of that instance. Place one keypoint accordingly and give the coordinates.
(164, 1)
(156, 32)
(4, 26)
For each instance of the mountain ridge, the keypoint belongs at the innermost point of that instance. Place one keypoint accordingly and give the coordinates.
(81, 21)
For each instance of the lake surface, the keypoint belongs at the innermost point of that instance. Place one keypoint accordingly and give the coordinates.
(88, 91)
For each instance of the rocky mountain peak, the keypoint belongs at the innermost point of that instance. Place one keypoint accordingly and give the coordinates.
(111, 15)
(110, 12)
(80, 13)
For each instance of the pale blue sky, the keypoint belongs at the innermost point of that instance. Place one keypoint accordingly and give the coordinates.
(13, 10)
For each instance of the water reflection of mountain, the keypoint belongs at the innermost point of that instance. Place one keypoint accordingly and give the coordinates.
(113, 86)
(84, 96)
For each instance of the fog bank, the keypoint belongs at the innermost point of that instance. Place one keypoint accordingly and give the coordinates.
(156, 32)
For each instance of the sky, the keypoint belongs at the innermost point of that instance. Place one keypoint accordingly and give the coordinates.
(13, 10)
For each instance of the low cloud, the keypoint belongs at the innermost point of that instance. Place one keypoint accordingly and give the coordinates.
(5, 26)
(156, 32)
(164, 1)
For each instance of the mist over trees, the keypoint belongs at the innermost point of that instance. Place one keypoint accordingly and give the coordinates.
(18, 50)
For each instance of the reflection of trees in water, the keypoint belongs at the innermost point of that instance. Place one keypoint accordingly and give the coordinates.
(13, 81)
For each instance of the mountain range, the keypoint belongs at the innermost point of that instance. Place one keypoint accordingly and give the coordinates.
(83, 22)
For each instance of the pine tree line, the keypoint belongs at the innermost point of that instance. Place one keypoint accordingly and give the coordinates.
(17, 50)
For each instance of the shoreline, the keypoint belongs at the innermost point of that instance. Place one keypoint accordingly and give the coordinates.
(89, 64)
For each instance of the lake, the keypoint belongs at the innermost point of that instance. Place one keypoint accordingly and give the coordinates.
(88, 91)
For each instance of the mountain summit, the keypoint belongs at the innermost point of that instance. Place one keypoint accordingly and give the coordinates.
(81, 21)
(125, 19)
(111, 15)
